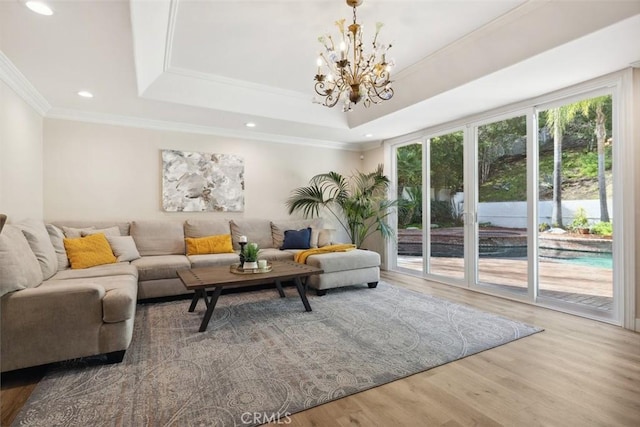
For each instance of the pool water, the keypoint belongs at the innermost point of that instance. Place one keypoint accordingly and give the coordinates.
(593, 259)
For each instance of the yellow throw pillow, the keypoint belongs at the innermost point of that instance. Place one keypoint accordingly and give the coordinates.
(84, 252)
(220, 244)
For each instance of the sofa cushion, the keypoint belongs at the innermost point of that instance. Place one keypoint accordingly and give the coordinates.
(124, 248)
(273, 254)
(57, 240)
(297, 239)
(325, 237)
(158, 237)
(213, 260)
(73, 232)
(40, 243)
(116, 269)
(109, 231)
(119, 302)
(122, 225)
(219, 244)
(19, 266)
(204, 227)
(160, 266)
(343, 261)
(119, 298)
(279, 227)
(89, 251)
(257, 231)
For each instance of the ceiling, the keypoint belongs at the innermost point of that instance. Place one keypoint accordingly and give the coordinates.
(212, 66)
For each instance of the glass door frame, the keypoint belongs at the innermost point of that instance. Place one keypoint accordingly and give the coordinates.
(392, 247)
(616, 314)
(471, 207)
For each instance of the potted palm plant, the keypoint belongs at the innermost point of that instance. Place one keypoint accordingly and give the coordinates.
(359, 204)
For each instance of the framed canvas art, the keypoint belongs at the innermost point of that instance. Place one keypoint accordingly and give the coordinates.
(202, 182)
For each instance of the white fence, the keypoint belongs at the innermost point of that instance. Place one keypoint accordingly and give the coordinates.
(514, 214)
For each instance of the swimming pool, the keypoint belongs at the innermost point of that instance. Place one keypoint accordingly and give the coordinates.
(593, 259)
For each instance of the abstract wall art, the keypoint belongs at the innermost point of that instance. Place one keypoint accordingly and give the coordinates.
(202, 182)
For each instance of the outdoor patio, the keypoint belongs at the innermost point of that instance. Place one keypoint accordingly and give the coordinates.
(586, 285)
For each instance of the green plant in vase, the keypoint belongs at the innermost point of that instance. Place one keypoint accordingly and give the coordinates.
(251, 256)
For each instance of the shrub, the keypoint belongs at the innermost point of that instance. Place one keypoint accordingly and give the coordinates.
(602, 228)
(580, 219)
(441, 212)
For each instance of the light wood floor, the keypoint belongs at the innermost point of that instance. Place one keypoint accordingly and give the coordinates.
(577, 372)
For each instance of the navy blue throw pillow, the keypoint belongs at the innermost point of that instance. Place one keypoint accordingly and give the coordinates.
(300, 239)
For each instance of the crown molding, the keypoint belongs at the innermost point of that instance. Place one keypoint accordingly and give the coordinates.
(137, 122)
(20, 85)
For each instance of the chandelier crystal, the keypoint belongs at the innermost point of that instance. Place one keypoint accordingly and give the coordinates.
(349, 75)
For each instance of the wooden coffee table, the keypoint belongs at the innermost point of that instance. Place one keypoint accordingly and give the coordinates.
(218, 278)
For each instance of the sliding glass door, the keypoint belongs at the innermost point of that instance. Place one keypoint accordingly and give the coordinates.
(409, 186)
(520, 205)
(446, 205)
(575, 176)
(500, 234)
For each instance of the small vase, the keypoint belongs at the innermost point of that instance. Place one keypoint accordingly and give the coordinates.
(250, 265)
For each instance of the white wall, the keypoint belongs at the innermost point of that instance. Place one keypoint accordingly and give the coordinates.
(514, 214)
(20, 158)
(95, 171)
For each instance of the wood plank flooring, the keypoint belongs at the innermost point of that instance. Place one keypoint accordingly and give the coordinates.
(578, 372)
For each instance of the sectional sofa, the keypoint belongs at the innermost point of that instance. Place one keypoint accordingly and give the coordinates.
(50, 312)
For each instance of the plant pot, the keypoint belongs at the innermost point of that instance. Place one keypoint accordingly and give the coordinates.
(249, 265)
(583, 231)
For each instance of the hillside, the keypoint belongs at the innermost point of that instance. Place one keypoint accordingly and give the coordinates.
(507, 180)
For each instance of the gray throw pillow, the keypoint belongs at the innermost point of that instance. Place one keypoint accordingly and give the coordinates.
(40, 243)
(123, 247)
(57, 239)
(19, 266)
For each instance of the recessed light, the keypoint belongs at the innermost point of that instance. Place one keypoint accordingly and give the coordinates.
(39, 7)
(250, 125)
(368, 135)
(85, 94)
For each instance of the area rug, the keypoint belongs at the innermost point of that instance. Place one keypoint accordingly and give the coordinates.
(263, 358)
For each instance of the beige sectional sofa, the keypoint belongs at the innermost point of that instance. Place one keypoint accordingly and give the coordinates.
(50, 312)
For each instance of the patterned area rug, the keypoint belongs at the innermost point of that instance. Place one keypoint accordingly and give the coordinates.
(263, 357)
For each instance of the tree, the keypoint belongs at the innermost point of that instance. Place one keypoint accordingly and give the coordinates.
(446, 168)
(600, 130)
(558, 119)
(497, 139)
(409, 173)
(360, 205)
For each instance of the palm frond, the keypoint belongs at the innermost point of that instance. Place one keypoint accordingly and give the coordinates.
(306, 199)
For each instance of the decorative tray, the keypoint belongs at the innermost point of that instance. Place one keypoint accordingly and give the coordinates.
(235, 268)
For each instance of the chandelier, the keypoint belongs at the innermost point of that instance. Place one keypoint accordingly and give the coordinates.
(351, 75)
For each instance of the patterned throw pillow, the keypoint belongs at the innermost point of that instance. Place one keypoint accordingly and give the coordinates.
(89, 251)
(219, 244)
